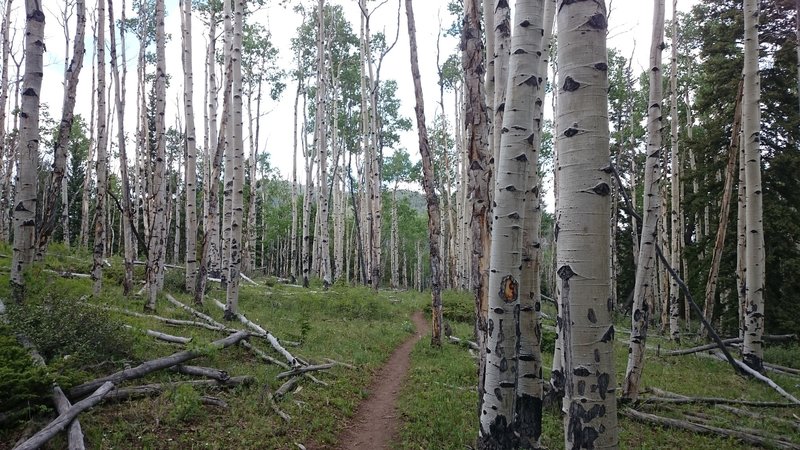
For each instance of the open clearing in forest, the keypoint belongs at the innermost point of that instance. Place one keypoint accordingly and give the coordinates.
(436, 405)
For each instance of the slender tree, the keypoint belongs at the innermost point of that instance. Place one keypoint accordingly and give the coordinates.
(190, 146)
(752, 350)
(158, 227)
(676, 210)
(101, 165)
(25, 200)
(582, 226)
(60, 155)
(321, 144)
(5, 154)
(432, 200)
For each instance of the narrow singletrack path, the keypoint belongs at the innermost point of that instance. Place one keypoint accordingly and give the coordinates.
(377, 420)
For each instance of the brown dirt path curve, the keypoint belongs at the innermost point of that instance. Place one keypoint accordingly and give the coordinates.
(377, 420)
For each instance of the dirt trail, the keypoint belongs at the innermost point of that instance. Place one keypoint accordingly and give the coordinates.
(377, 419)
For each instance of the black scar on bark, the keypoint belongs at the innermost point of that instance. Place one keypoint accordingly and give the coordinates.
(592, 316)
(582, 436)
(637, 315)
(499, 436)
(598, 22)
(570, 132)
(581, 372)
(602, 189)
(596, 355)
(565, 272)
(603, 381)
(601, 66)
(528, 420)
(490, 328)
(581, 387)
(509, 289)
(608, 336)
(522, 157)
(31, 92)
(570, 84)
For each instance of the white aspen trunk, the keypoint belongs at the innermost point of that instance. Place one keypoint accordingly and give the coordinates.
(489, 80)
(644, 287)
(190, 146)
(293, 239)
(676, 210)
(395, 259)
(57, 190)
(101, 167)
(741, 239)
(752, 349)
(251, 207)
(227, 132)
(434, 215)
(6, 153)
(366, 148)
(127, 230)
(418, 272)
(516, 159)
(502, 43)
(25, 200)
(237, 182)
(86, 197)
(582, 226)
(211, 227)
(321, 144)
(797, 43)
(305, 258)
(158, 234)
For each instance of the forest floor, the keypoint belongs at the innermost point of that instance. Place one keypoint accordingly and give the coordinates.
(363, 330)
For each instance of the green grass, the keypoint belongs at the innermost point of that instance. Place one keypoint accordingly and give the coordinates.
(352, 325)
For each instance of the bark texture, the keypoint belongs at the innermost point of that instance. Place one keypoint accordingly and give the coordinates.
(644, 289)
(582, 232)
(752, 350)
(101, 165)
(432, 200)
(190, 148)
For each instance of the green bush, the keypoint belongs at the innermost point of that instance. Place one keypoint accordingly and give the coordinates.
(174, 280)
(60, 327)
(186, 403)
(22, 384)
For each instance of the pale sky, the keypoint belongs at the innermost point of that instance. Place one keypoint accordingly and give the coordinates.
(629, 30)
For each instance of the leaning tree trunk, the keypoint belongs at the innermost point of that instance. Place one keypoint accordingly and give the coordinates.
(127, 216)
(157, 240)
(725, 208)
(190, 147)
(101, 167)
(582, 223)
(645, 268)
(434, 215)
(57, 177)
(28, 152)
(752, 351)
(237, 186)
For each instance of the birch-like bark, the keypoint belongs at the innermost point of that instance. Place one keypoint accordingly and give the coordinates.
(293, 239)
(644, 287)
(158, 188)
(305, 258)
(725, 208)
(60, 155)
(514, 162)
(676, 210)
(237, 186)
(582, 230)
(227, 132)
(502, 43)
(127, 225)
(752, 350)
(395, 238)
(190, 146)
(211, 228)
(101, 166)
(6, 157)
(432, 200)
(741, 240)
(83, 237)
(321, 144)
(25, 200)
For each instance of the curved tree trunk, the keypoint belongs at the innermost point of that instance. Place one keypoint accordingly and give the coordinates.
(752, 351)
(645, 268)
(582, 226)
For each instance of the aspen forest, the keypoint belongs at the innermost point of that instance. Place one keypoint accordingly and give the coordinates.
(389, 224)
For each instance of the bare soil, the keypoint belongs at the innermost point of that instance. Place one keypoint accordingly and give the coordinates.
(377, 420)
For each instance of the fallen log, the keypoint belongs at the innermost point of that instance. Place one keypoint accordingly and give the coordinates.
(62, 404)
(213, 401)
(161, 336)
(716, 401)
(68, 274)
(260, 353)
(766, 380)
(349, 366)
(464, 342)
(168, 321)
(246, 278)
(156, 364)
(64, 419)
(146, 390)
(272, 339)
(208, 372)
(787, 370)
(304, 369)
(286, 387)
(193, 311)
(768, 337)
(708, 429)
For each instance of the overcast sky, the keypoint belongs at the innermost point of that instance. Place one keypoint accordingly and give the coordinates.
(629, 30)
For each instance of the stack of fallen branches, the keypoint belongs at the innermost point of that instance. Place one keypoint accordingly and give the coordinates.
(701, 422)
